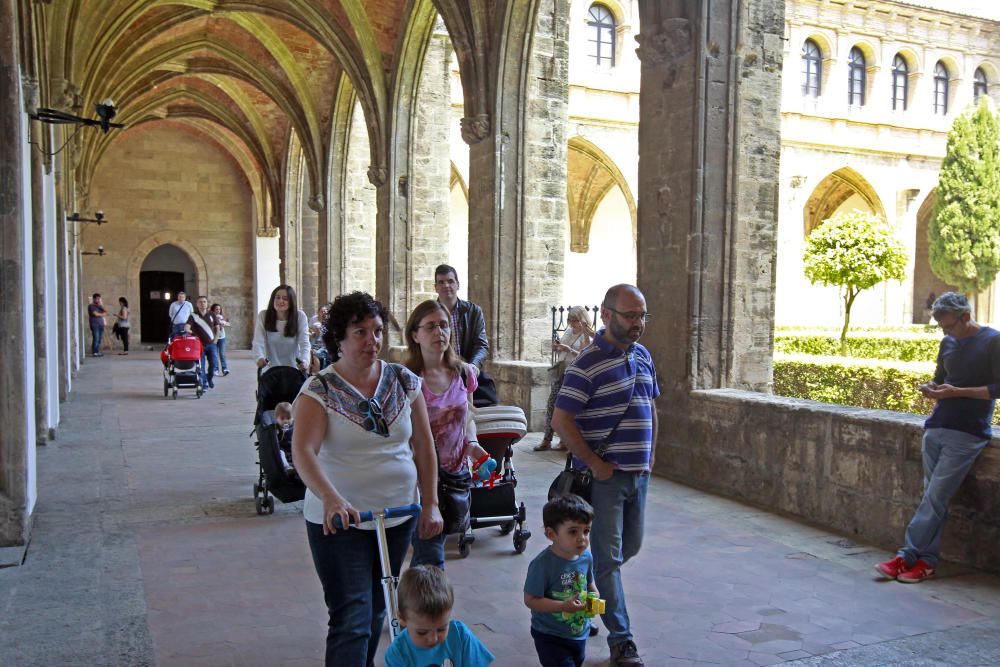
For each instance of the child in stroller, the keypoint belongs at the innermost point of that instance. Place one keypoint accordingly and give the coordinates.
(276, 478)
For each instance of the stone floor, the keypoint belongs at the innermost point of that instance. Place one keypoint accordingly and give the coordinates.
(146, 550)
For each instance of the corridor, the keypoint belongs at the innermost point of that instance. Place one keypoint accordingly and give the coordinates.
(146, 550)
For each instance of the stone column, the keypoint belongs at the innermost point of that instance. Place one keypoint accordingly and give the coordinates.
(38, 272)
(15, 402)
(708, 183)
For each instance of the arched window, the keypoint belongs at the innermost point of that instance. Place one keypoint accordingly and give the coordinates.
(601, 24)
(900, 83)
(979, 84)
(812, 69)
(856, 78)
(940, 88)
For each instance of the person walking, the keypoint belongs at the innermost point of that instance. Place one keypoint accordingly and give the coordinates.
(179, 313)
(966, 385)
(605, 416)
(203, 326)
(281, 335)
(577, 336)
(96, 315)
(220, 343)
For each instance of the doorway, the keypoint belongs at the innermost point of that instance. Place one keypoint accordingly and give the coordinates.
(157, 289)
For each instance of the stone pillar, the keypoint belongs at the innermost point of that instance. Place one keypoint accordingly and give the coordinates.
(15, 401)
(308, 287)
(708, 183)
(65, 280)
(429, 174)
(38, 271)
(358, 200)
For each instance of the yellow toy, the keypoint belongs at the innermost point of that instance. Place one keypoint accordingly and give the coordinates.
(593, 605)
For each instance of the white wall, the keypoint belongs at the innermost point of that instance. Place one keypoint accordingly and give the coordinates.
(27, 326)
(268, 275)
(610, 258)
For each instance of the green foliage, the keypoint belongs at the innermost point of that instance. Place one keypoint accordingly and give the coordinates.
(924, 348)
(964, 232)
(870, 385)
(855, 251)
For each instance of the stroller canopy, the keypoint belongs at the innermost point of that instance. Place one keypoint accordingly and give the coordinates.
(275, 385)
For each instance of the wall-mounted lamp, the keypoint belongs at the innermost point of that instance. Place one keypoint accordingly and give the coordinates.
(99, 253)
(98, 218)
(105, 112)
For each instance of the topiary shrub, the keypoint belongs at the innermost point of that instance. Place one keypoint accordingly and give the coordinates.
(924, 348)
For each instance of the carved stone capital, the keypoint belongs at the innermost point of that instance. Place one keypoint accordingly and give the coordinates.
(317, 203)
(476, 128)
(378, 175)
(666, 43)
(265, 232)
(65, 94)
(29, 89)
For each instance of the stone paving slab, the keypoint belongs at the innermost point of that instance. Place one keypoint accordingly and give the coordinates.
(147, 550)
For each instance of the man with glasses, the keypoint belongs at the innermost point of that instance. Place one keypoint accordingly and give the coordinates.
(605, 416)
(965, 386)
(468, 331)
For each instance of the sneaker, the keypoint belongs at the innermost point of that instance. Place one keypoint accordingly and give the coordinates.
(225, 372)
(914, 575)
(892, 568)
(626, 655)
(594, 630)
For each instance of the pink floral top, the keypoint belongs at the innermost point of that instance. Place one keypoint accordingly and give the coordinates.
(447, 412)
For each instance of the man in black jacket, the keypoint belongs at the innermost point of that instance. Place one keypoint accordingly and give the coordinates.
(468, 331)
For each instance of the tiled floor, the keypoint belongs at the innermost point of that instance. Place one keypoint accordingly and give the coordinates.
(146, 550)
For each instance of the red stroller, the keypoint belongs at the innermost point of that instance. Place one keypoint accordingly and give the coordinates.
(180, 360)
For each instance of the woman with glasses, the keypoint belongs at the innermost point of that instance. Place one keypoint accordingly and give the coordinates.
(447, 388)
(362, 442)
(281, 334)
(578, 335)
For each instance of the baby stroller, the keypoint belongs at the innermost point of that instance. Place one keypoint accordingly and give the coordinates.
(180, 360)
(498, 428)
(278, 384)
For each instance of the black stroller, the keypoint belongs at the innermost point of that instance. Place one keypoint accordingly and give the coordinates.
(278, 384)
(498, 428)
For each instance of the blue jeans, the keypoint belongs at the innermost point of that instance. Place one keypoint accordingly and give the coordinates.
(616, 535)
(210, 352)
(348, 566)
(97, 333)
(221, 344)
(558, 651)
(948, 456)
(429, 552)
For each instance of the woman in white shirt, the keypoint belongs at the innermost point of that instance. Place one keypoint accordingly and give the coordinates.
(281, 334)
(578, 335)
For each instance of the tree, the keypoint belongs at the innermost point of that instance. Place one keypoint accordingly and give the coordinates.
(854, 251)
(964, 233)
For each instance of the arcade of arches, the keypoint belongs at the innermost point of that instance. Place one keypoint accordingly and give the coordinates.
(312, 142)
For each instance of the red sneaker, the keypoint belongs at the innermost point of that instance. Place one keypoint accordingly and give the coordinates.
(892, 568)
(914, 575)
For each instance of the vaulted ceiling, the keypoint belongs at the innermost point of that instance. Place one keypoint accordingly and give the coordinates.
(245, 74)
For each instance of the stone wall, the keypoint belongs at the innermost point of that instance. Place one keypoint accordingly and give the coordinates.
(853, 470)
(524, 384)
(170, 183)
(359, 211)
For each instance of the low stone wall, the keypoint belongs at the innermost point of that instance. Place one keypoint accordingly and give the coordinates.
(524, 384)
(853, 470)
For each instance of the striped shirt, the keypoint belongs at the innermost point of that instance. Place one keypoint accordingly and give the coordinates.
(598, 389)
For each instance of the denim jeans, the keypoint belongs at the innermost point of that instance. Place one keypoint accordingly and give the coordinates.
(177, 329)
(97, 333)
(221, 344)
(616, 535)
(210, 352)
(348, 566)
(429, 552)
(558, 651)
(948, 456)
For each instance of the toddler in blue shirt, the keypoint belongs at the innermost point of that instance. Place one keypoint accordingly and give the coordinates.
(558, 581)
(431, 637)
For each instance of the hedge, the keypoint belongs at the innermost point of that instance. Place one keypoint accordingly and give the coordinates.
(881, 386)
(908, 347)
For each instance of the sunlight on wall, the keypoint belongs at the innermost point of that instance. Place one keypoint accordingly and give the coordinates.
(610, 258)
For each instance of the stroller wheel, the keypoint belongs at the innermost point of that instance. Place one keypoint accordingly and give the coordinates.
(198, 393)
(256, 490)
(175, 394)
(463, 546)
(269, 504)
(258, 504)
(506, 527)
(521, 540)
(166, 388)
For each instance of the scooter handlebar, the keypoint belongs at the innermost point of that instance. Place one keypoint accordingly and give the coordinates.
(388, 513)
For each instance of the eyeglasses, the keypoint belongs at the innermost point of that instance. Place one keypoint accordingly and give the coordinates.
(431, 327)
(631, 316)
(373, 422)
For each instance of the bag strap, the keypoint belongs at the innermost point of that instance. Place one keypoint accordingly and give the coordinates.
(603, 448)
(326, 385)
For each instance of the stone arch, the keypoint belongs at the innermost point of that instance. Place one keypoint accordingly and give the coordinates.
(992, 72)
(591, 174)
(457, 180)
(836, 190)
(151, 243)
(925, 281)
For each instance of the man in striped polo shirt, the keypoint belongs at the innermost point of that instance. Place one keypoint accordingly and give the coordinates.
(605, 416)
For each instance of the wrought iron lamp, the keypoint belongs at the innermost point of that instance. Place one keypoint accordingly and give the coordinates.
(99, 253)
